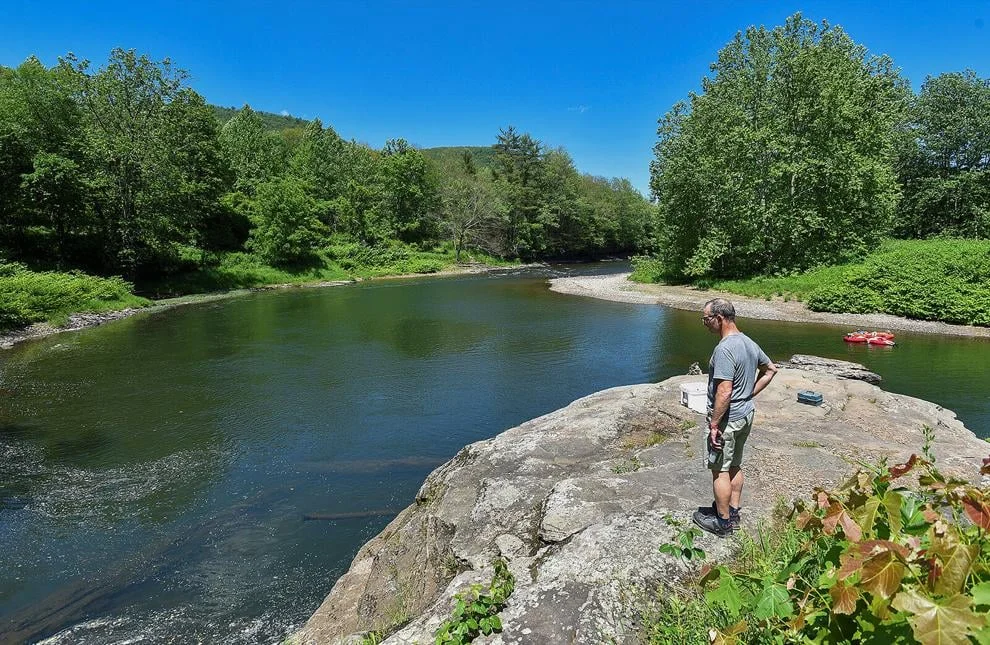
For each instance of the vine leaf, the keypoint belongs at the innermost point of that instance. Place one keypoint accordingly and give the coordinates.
(727, 593)
(844, 598)
(837, 515)
(892, 503)
(867, 515)
(981, 593)
(773, 601)
(956, 564)
(948, 623)
(977, 509)
(899, 470)
(882, 574)
(880, 564)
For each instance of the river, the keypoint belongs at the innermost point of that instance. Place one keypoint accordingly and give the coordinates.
(157, 473)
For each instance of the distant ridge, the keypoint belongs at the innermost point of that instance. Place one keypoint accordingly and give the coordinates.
(270, 120)
(483, 156)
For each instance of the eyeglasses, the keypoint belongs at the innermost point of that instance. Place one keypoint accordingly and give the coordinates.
(707, 318)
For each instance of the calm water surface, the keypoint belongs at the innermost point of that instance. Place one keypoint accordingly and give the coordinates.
(155, 472)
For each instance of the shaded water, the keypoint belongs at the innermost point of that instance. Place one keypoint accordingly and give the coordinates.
(156, 473)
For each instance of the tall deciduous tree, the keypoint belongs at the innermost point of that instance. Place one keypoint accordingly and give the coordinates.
(409, 191)
(473, 215)
(945, 165)
(286, 231)
(255, 154)
(784, 160)
(152, 142)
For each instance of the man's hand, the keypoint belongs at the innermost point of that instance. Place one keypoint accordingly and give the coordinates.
(714, 437)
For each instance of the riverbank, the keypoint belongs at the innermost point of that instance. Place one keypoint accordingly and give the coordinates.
(78, 321)
(619, 288)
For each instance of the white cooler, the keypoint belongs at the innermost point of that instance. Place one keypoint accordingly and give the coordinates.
(695, 396)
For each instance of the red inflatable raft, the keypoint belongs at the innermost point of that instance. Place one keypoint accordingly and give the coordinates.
(871, 337)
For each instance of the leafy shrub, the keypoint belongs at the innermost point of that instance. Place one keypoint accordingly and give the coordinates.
(873, 562)
(27, 296)
(946, 280)
(649, 269)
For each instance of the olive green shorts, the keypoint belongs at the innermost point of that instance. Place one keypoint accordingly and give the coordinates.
(734, 436)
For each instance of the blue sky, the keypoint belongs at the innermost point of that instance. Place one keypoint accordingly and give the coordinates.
(593, 77)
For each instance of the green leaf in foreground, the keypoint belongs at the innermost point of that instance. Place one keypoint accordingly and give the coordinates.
(727, 593)
(773, 601)
(948, 623)
(981, 593)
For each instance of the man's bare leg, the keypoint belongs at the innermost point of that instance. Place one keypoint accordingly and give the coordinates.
(722, 488)
(736, 485)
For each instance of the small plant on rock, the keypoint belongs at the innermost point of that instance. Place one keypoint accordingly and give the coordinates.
(683, 545)
(476, 611)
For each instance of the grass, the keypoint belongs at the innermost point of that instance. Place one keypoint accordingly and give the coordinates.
(627, 466)
(686, 615)
(50, 296)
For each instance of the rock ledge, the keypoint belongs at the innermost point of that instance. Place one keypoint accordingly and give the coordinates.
(576, 502)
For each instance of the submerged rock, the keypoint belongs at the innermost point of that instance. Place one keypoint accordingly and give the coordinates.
(835, 367)
(577, 502)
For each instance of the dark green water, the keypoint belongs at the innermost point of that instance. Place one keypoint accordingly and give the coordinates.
(154, 473)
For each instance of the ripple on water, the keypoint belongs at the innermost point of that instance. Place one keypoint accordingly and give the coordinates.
(81, 494)
(191, 621)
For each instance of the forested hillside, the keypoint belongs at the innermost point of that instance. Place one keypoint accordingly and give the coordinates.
(125, 170)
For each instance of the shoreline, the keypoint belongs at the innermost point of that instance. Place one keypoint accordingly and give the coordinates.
(79, 321)
(618, 288)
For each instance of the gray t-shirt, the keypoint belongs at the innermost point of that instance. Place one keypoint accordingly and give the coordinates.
(736, 358)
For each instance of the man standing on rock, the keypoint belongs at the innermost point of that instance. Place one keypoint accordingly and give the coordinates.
(737, 372)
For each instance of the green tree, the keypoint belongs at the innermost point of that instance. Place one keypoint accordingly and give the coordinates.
(518, 169)
(784, 160)
(56, 193)
(256, 155)
(286, 231)
(945, 166)
(41, 161)
(152, 143)
(410, 190)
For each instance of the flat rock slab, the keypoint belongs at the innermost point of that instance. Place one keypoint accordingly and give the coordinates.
(578, 501)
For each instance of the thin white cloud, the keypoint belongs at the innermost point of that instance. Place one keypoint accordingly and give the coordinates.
(580, 109)
(284, 113)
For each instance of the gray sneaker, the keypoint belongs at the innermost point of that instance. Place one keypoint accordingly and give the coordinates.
(734, 517)
(712, 523)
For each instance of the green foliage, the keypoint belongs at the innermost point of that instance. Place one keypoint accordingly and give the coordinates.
(783, 160)
(476, 610)
(944, 159)
(872, 562)
(286, 230)
(453, 158)
(27, 296)
(683, 546)
(372, 638)
(946, 280)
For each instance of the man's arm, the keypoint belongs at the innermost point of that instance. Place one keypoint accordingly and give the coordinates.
(765, 374)
(723, 395)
